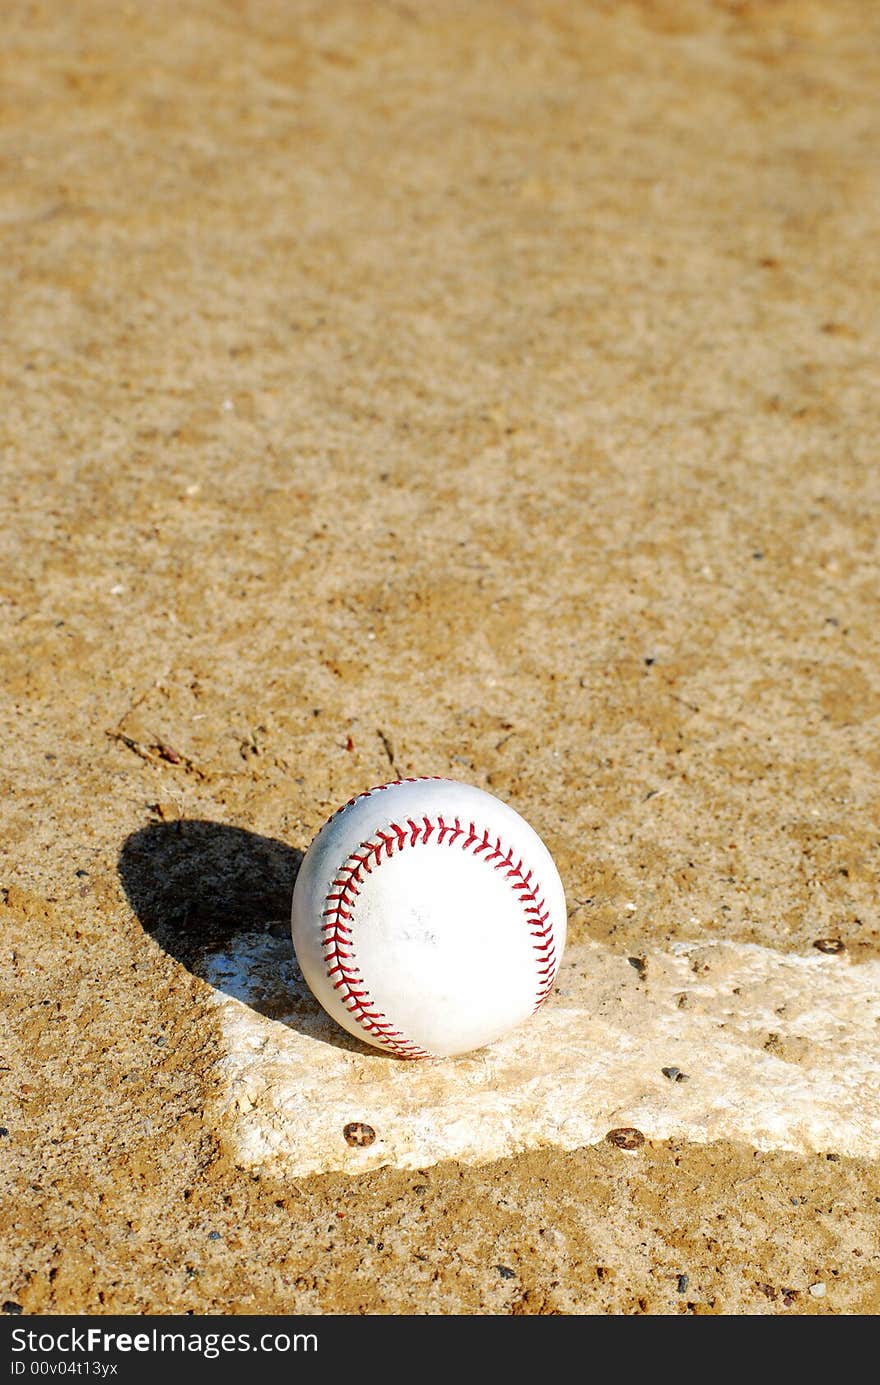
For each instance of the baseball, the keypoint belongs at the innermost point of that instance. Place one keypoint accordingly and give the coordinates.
(428, 918)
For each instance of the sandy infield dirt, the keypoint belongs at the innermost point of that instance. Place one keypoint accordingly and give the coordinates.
(486, 390)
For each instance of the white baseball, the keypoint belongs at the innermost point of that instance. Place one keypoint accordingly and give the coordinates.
(428, 918)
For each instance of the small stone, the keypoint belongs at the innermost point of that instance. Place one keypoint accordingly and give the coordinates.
(831, 945)
(818, 1290)
(675, 1074)
(639, 964)
(552, 1236)
(214, 1236)
(625, 1137)
(11, 1307)
(682, 1282)
(358, 1134)
(4, 1130)
(506, 1272)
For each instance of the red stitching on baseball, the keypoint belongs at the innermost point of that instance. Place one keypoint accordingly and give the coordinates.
(392, 784)
(339, 906)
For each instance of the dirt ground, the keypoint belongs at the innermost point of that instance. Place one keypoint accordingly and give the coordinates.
(474, 389)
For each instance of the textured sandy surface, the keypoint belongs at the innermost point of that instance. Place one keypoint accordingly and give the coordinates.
(480, 389)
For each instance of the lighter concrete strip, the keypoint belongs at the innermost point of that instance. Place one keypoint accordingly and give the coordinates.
(777, 1050)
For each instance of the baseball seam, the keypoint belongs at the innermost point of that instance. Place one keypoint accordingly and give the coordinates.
(392, 784)
(340, 961)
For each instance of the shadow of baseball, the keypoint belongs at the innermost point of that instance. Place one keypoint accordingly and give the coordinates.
(217, 898)
(195, 884)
